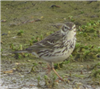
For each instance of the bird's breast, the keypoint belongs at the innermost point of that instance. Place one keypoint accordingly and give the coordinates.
(59, 53)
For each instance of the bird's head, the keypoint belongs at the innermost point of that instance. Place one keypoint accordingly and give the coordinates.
(68, 28)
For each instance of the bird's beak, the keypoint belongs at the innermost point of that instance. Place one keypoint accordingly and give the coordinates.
(74, 30)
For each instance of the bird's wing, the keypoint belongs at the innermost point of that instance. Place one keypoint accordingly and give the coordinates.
(48, 43)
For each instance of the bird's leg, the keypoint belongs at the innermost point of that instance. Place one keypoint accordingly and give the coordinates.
(49, 68)
(59, 66)
(56, 73)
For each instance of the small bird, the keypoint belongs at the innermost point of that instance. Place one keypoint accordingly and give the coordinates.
(55, 47)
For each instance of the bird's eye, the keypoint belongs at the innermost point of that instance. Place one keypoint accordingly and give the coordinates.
(65, 27)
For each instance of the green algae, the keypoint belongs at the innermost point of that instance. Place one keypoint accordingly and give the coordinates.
(26, 23)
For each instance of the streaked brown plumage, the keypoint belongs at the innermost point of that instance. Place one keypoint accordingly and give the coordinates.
(56, 47)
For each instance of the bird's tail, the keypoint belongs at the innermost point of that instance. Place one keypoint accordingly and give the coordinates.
(10, 53)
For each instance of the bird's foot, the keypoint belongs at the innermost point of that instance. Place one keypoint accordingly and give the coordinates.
(61, 79)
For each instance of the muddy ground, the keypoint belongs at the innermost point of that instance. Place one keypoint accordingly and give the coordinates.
(25, 22)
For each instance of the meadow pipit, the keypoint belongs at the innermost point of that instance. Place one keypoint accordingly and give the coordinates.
(56, 47)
